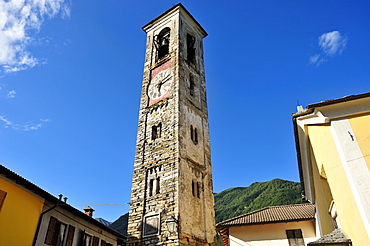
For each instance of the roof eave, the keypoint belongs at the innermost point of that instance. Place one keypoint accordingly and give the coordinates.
(266, 222)
(174, 8)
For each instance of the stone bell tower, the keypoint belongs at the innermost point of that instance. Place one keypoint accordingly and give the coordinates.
(172, 193)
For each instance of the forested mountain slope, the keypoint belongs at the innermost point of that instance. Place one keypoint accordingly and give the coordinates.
(241, 200)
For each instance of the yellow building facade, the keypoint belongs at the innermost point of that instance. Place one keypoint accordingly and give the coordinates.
(19, 214)
(30, 216)
(333, 148)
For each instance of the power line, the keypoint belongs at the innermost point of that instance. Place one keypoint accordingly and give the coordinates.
(108, 204)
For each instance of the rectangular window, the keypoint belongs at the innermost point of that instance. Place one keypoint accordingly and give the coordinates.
(151, 225)
(2, 198)
(295, 237)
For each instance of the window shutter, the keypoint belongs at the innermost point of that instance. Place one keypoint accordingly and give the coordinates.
(2, 198)
(295, 237)
(299, 237)
(103, 243)
(82, 238)
(71, 232)
(95, 241)
(51, 231)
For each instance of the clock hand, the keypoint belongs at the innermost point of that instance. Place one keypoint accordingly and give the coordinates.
(159, 85)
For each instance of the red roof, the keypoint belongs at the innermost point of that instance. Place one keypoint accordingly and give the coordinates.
(275, 214)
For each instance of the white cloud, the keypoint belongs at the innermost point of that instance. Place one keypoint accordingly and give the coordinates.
(331, 44)
(7, 122)
(21, 127)
(20, 20)
(11, 94)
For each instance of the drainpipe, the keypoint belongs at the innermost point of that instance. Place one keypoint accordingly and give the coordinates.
(60, 202)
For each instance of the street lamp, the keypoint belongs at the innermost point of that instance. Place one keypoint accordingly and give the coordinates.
(172, 224)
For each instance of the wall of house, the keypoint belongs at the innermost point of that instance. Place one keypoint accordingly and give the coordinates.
(19, 215)
(360, 125)
(81, 226)
(270, 234)
(340, 158)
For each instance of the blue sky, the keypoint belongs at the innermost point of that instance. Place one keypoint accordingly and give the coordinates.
(71, 76)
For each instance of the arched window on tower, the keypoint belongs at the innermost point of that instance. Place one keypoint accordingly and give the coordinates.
(162, 43)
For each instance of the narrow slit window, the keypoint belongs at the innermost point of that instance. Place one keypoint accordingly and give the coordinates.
(193, 188)
(192, 85)
(157, 188)
(151, 186)
(154, 132)
(194, 134)
(190, 45)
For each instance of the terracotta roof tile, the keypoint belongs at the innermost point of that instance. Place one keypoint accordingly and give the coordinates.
(275, 214)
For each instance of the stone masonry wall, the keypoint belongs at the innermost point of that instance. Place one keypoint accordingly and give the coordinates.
(172, 173)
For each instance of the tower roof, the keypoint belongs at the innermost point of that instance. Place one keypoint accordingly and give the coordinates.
(176, 7)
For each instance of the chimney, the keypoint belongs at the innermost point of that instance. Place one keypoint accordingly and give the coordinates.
(89, 211)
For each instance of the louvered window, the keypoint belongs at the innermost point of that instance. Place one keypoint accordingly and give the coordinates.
(87, 239)
(295, 237)
(56, 232)
(71, 232)
(51, 231)
(95, 241)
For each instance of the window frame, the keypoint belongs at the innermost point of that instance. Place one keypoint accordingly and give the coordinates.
(295, 237)
(146, 225)
(162, 50)
(54, 235)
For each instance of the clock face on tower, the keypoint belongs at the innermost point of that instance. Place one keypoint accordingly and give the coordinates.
(160, 85)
